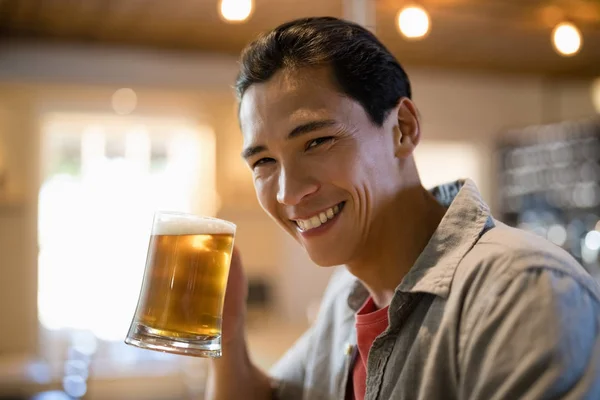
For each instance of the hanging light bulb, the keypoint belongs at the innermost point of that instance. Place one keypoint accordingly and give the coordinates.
(235, 10)
(413, 22)
(566, 39)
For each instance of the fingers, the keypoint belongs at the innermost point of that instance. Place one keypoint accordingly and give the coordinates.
(235, 255)
(237, 276)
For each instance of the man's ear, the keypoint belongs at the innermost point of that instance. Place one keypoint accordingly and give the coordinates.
(407, 132)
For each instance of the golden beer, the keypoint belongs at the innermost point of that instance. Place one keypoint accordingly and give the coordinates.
(181, 301)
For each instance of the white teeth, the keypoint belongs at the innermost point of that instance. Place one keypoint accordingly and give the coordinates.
(323, 217)
(317, 220)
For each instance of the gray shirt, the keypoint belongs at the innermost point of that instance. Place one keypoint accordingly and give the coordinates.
(486, 312)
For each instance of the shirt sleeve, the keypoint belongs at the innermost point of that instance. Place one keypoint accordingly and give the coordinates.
(536, 338)
(288, 373)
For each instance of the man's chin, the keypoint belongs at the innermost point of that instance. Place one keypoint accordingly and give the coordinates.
(324, 259)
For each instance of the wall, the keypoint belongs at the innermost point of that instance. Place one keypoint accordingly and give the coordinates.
(18, 277)
(454, 106)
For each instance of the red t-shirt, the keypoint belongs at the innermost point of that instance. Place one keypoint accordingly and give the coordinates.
(370, 323)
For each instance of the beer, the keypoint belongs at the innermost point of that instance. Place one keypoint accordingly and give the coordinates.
(181, 300)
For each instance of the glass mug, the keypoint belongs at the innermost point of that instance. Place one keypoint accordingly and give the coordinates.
(180, 304)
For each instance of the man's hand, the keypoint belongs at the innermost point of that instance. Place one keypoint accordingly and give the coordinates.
(233, 376)
(234, 308)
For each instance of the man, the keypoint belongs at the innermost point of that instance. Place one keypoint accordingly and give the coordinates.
(437, 299)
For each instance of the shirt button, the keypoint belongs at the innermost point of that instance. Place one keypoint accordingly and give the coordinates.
(348, 349)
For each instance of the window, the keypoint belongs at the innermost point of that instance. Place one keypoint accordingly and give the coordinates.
(441, 162)
(103, 178)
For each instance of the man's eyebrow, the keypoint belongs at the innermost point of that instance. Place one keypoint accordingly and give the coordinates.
(311, 127)
(300, 130)
(252, 150)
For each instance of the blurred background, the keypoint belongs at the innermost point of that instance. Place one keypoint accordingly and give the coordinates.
(110, 110)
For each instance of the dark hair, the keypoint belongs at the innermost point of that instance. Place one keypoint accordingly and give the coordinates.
(362, 67)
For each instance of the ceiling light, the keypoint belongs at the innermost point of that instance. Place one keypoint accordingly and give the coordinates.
(413, 22)
(235, 10)
(124, 101)
(566, 39)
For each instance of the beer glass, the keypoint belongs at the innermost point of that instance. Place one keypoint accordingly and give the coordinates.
(180, 305)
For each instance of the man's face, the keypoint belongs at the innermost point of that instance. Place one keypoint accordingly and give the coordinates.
(322, 170)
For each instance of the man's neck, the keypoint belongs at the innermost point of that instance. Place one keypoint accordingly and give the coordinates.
(396, 240)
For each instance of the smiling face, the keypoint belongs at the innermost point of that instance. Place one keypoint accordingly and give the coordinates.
(322, 170)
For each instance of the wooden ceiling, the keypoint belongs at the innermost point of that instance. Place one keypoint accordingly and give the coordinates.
(499, 35)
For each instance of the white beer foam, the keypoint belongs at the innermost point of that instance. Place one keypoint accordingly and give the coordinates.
(185, 224)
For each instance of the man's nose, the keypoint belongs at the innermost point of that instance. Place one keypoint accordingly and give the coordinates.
(294, 185)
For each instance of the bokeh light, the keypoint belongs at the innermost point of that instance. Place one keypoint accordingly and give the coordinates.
(566, 39)
(413, 22)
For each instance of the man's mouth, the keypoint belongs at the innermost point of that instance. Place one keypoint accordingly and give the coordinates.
(319, 219)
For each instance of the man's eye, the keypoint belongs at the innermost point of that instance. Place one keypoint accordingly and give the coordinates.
(318, 142)
(262, 161)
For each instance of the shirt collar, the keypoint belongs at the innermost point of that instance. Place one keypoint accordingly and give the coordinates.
(466, 219)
